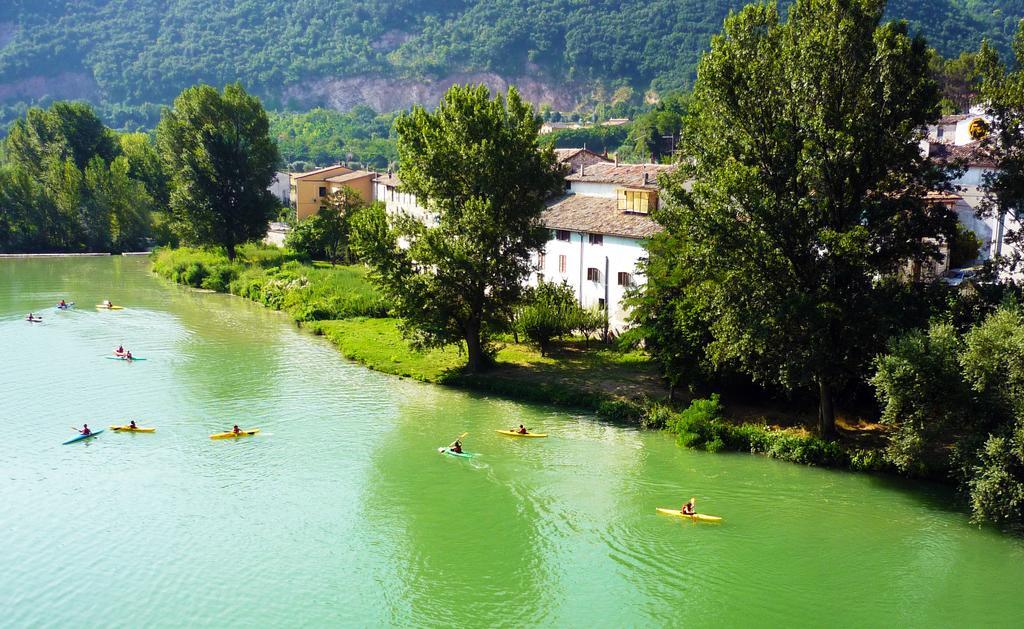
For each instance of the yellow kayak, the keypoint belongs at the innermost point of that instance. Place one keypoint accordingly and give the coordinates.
(512, 433)
(102, 307)
(232, 435)
(130, 429)
(697, 517)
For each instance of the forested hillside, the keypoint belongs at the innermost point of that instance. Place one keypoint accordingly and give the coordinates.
(123, 54)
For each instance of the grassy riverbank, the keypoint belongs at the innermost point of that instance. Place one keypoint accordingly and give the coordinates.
(339, 303)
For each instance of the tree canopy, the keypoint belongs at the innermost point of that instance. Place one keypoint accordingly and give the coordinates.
(68, 183)
(216, 149)
(475, 162)
(807, 186)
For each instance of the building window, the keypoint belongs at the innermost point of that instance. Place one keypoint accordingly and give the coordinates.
(540, 261)
(940, 131)
(600, 303)
(637, 201)
(596, 239)
(593, 275)
(562, 234)
(625, 279)
(323, 191)
(561, 264)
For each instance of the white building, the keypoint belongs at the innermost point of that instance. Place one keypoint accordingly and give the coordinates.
(955, 140)
(597, 234)
(597, 228)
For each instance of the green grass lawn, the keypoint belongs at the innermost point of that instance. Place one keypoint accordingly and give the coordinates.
(573, 375)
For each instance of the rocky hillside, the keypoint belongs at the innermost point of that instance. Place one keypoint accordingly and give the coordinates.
(389, 53)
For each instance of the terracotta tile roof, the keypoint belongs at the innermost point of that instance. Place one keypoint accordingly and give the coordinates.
(564, 155)
(631, 175)
(597, 215)
(389, 179)
(940, 196)
(355, 174)
(318, 171)
(972, 154)
(953, 118)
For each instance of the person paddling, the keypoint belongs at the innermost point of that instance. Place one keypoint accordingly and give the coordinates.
(85, 430)
(132, 426)
(62, 304)
(107, 303)
(522, 430)
(120, 350)
(128, 355)
(690, 507)
(236, 430)
(456, 447)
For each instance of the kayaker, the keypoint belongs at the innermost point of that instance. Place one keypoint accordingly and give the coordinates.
(689, 507)
(128, 355)
(107, 303)
(522, 430)
(85, 430)
(456, 447)
(62, 304)
(236, 430)
(119, 350)
(132, 426)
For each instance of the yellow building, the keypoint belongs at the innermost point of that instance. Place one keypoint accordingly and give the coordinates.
(310, 190)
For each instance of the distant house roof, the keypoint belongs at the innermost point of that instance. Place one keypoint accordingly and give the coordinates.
(597, 215)
(390, 180)
(632, 175)
(564, 155)
(954, 118)
(319, 171)
(972, 154)
(941, 196)
(355, 174)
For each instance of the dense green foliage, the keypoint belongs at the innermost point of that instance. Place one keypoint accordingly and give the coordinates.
(68, 183)
(217, 151)
(276, 278)
(956, 404)
(702, 425)
(326, 234)
(799, 202)
(323, 136)
(128, 54)
(550, 311)
(474, 161)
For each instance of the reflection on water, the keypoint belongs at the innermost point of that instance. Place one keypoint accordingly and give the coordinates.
(342, 512)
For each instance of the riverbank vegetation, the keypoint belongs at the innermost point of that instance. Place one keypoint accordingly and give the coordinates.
(69, 184)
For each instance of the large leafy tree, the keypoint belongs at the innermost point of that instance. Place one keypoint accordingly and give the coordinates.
(217, 151)
(1003, 90)
(807, 186)
(476, 163)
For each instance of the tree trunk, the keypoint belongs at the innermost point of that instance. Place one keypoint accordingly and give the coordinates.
(231, 250)
(474, 348)
(826, 412)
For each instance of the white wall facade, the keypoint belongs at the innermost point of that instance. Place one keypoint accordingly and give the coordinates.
(613, 256)
(397, 203)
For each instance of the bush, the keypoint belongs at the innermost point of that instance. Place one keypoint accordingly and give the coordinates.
(276, 279)
(551, 311)
(703, 427)
(996, 485)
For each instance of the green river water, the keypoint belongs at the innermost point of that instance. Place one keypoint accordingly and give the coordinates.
(342, 512)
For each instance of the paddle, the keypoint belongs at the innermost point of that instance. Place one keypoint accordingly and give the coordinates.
(459, 438)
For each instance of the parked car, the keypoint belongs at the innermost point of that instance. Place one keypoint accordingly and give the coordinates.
(956, 277)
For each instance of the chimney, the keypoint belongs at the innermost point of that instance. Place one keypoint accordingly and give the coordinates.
(645, 177)
(616, 159)
(582, 172)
